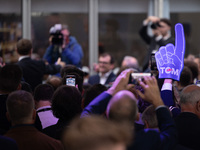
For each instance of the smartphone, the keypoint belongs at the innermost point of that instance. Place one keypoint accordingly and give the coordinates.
(137, 76)
(153, 62)
(71, 80)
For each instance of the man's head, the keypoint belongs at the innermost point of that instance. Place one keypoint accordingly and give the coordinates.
(123, 107)
(106, 63)
(43, 92)
(95, 133)
(10, 77)
(24, 47)
(190, 99)
(20, 108)
(149, 117)
(130, 62)
(165, 26)
(66, 102)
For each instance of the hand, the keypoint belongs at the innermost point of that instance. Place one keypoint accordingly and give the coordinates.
(153, 19)
(170, 59)
(121, 82)
(61, 63)
(151, 91)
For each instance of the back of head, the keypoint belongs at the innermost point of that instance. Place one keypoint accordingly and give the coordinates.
(43, 92)
(93, 92)
(20, 105)
(193, 67)
(130, 62)
(73, 70)
(149, 117)
(190, 95)
(24, 47)
(123, 107)
(186, 77)
(66, 102)
(10, 77)
(54, 81)
(95, 133)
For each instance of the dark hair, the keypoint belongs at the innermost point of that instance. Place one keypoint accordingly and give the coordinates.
(20, 105)
(186, 77)
(73, 70)
(54, 81)
(10, 77)
(93, 92)
(24, 46)
(193, 67)
(43, 92)
(66, 102)
(112, 61)
(167, 21)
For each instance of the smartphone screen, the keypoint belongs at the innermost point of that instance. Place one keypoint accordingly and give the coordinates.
(70, 80)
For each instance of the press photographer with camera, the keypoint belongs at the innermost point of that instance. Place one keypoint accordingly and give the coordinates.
(63, 45)
(160, 35)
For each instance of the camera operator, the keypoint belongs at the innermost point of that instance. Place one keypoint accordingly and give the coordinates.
(161, 35)
(63, 45)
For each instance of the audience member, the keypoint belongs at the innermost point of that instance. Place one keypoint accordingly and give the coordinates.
(161, 35)
(66, 47)
(34, 70)
(21, 112)
(105, 75)
(42, 96)
(66, 104)
(95, 133)
(130, 62)
(54, 81)
(122, 108)
(149, 117)
(92, 92)
(188, 121)
(73, 70)
(193, 67)
(10, 77)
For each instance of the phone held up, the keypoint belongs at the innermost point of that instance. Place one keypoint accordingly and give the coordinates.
(71, 80)
(135, 77)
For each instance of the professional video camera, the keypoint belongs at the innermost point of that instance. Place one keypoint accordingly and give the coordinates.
(155, 25)
(57, 36)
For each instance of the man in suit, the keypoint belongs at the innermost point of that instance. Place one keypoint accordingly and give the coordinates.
(161, 35)
(21, 113)
(188, 121)
(105, 75)
(121, 106)
(34, 70)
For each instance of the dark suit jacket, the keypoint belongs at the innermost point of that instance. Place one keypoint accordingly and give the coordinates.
(34, 70)
(29, 138)
(188, 126)
(95, 79)
(152, 44)
(145, 139)
(7, 143)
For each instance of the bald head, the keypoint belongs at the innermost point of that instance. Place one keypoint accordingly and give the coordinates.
(123, 107)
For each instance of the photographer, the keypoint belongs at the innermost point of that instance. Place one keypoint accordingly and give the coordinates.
(63, 45)
(161, 35)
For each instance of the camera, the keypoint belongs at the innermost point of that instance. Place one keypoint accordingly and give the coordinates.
(71, 80)
(155, 25)
(57, 36)
(134, 77)
(153, 62)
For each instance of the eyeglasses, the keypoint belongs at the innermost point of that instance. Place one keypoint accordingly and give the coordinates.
(103, 62)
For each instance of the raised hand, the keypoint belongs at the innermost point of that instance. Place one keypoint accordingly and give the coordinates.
(170, 58)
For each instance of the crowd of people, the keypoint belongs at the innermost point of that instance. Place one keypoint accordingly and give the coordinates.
(51, 105)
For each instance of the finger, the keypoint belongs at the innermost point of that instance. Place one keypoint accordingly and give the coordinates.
(170, 49)
(180, 41)
(163, 53)
(142, 84)
(140, 94)
(159, 58)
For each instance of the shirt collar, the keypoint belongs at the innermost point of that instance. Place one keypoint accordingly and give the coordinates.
(106, 74)
(22, 57)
